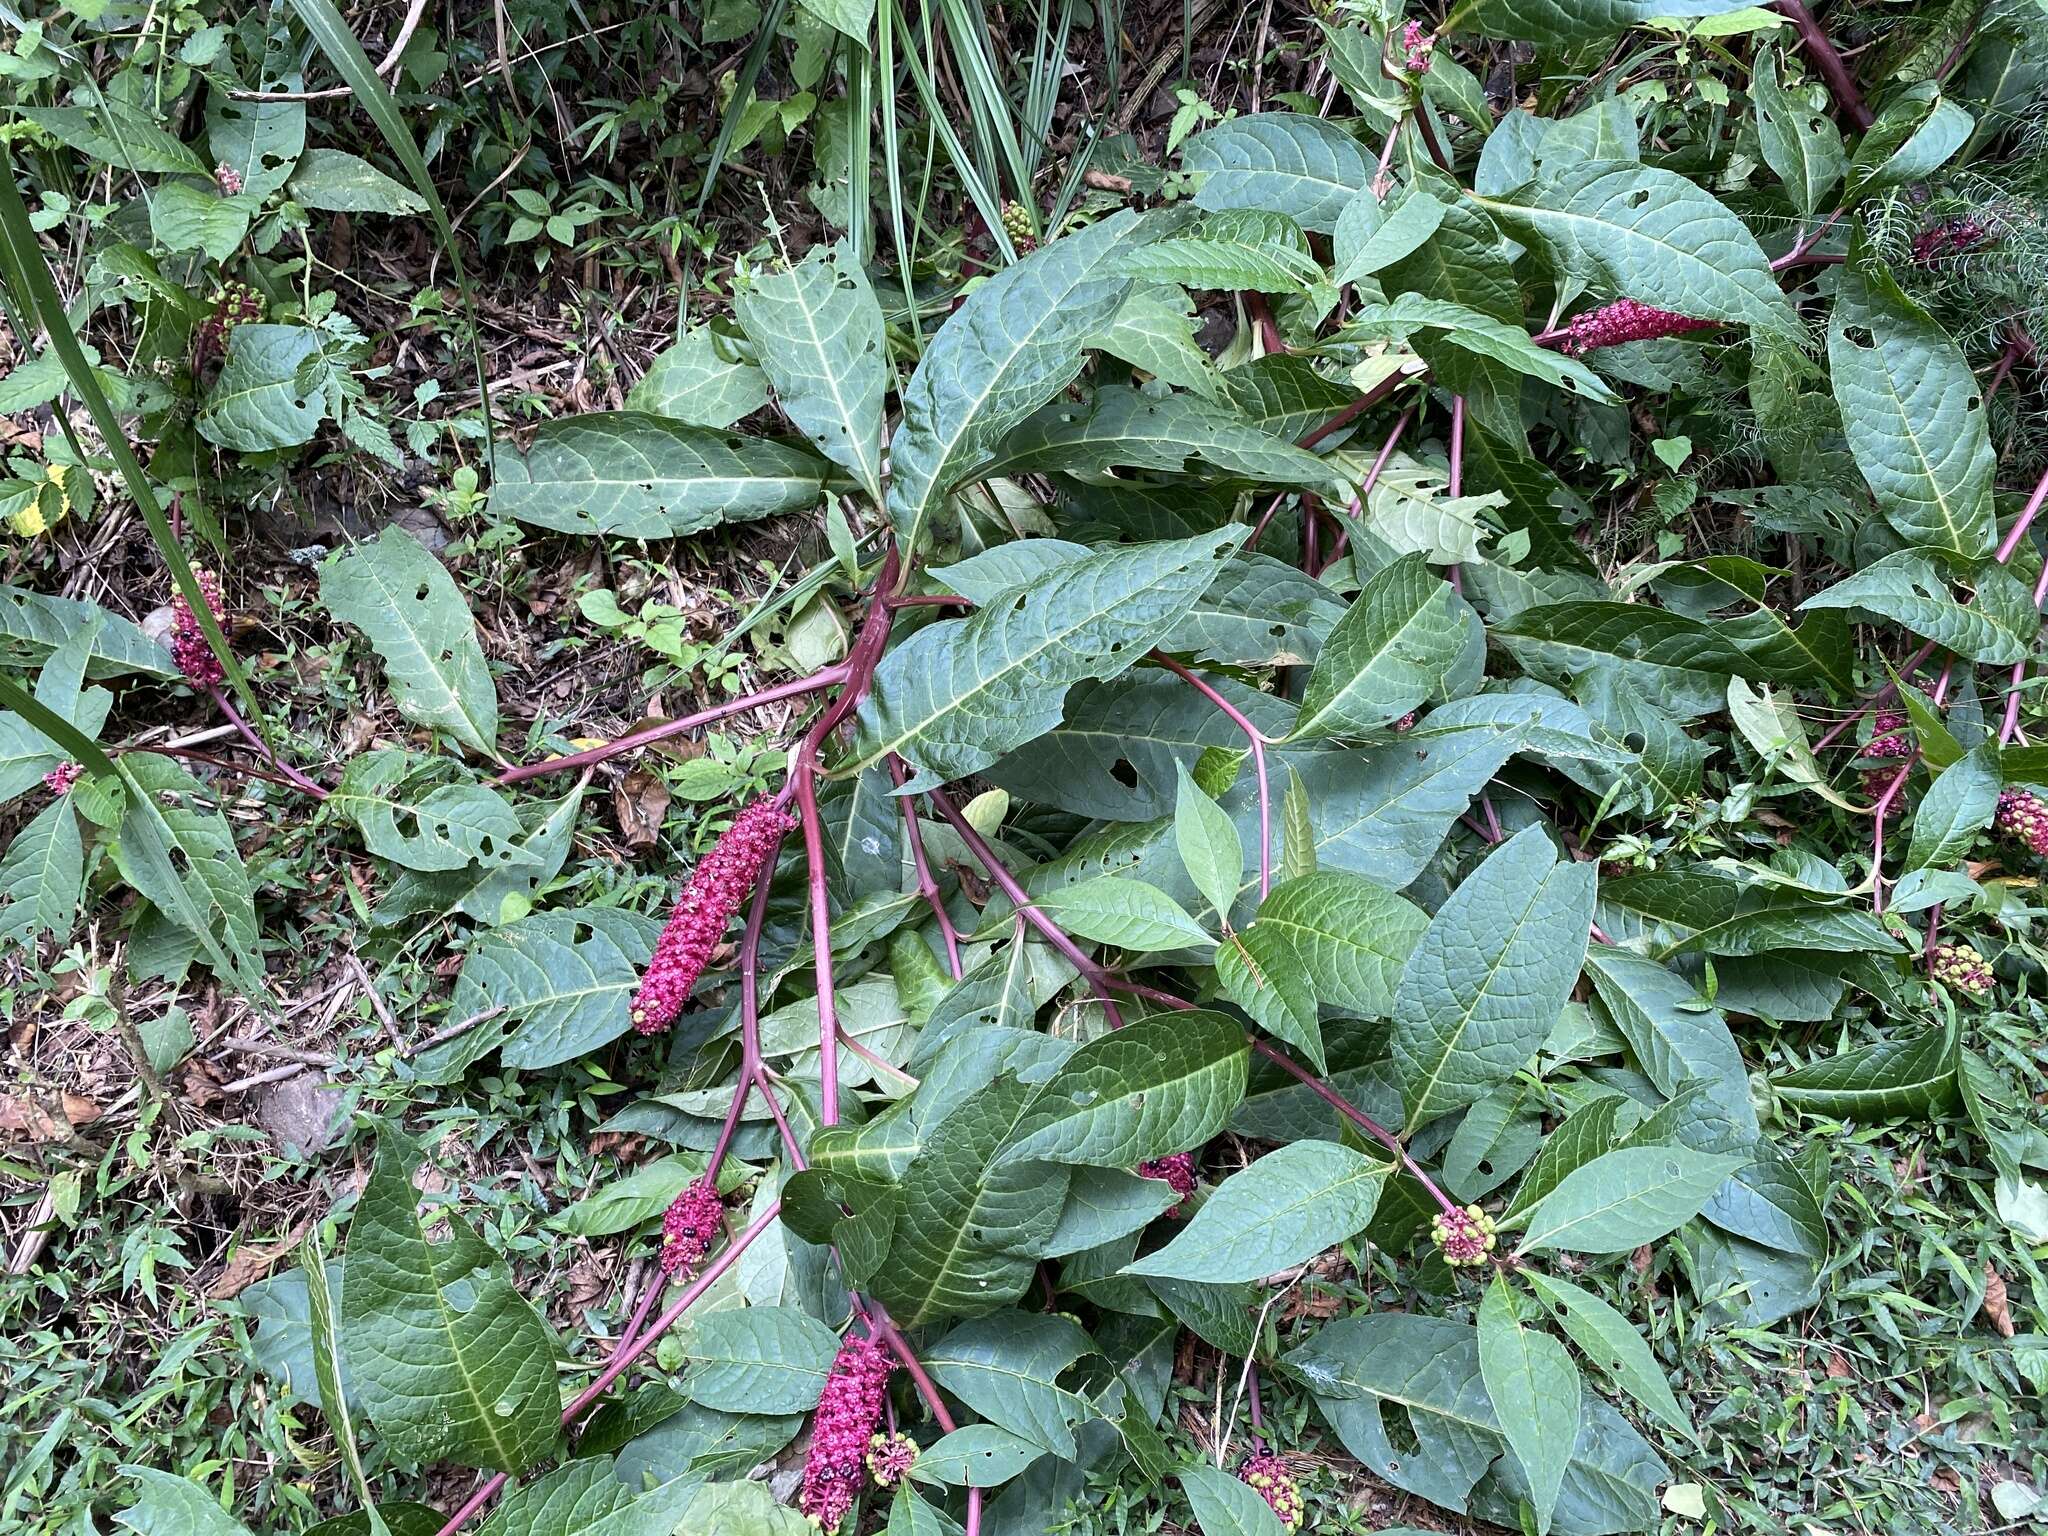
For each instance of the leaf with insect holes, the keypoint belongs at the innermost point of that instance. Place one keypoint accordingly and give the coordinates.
(647, 477)
(450, 1361)
(1158, 1086)
(449, 827)
(1612, 1343)
(1914, 414)
(1802, 147)
(418, 622)
(259, 402)
(1278, 162)
(1484, 985)
(1285, 1208)
(818, 331)
(959, 693)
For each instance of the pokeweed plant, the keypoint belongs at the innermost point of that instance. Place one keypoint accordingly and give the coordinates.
(1197, 861)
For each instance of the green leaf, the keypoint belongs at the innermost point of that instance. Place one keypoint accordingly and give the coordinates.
(259, 402)
(565, 981)
(640, 1196)
(449, 827)
(976, 1456)
(1534, 1389)
(588, 1498)
(450, 1361)
(1770, 1203)
(818, 331)
(1485, 983)
(1611, 1342)
(1574, 21)
(1912, 1076)
(1259, 972)
(1914, 415)
(1127, 913)
(1801, 146)
(1349, 935)
(1372, 234)
(1154, 330)
(1678, 1038)
(169, 1505)
(326, 1348)
(1006, 1367)
(1703, 910)
(1912, 138)
(960, 693)
(1014, 344)
(759, 1360)
(1649, 234)
(1958, 805)
(1908, 589)
(1279, 162)
(1625, 1198)
(696, 383)
(1479, 334)
(1285, 1208)
(177, 850)
(42, 877)
(120, 134)
(338, 182)
(1208, 844)
(647, 477)
(1224, 1506)
(1400, 644)
(1104, 1204)
(418, 621)
(1158, 1086)
(970, 1226)
(1258, 612)
(36, 624)
(186, 216)
(1238, 250)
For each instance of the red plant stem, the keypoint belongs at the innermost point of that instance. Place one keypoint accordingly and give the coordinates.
(816, 682)
(883, 1327)
(1906, 669)
(1802, 251)
(1457, 482)
(1356, 1116)
(626, 1354)
(1097, 978)
(927, 886)
(1351, 412)
(1265, 517)
(263, 749)
(2025, 521)
(655, 1285)
(2010, 725)
(1251, 1384)
(1258, 744)
(1881, 811)
(1269, 329)
(1848, 100)
(750, 1011)
(1311, 545)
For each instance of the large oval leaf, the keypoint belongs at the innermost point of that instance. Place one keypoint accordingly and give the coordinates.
(1288, 1206)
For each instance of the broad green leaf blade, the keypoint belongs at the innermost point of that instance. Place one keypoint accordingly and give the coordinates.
(696, 383)
(1485, 984)
(1158, 1086)
(1911, 1076)
(565, 981)
(1651, 235)
(1258, 612)
(1399, 645)
(1006, 1367)
(1208, 844)
(970, 1227)
(42, 877)
(1678, 1038)
(34, 624)
(258, 403)
(1574, 21)
(1534, 1388)
(1258, 971)
(960, 693)
(1350, 936)
(759, 1360)
(419, 622)
(1957, 806)
(1224, 1506)
(1914, 415)
(975, 1456)
(588, 1498)
(339, 182)
(1280, 162)
(1625, 1198)
(1238, 250)
(1127, 913)
(1473, 331)
(1583, 1136)
(1285, 1208)
(1015, 343)
(1611, 1342)
(177, 850)
(1909, 589)
(1803, 147)
(450, 1361)
(818, 331)
(448, 827)
(646, 477)
(169, 1505)
(1770, 1203)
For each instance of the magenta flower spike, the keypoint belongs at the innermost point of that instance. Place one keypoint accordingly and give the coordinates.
(689, 1226)
(843, 1430)
(60, 778)
(1178, 1172)
(1888, 736)
(716, 887)
(189, 649)
(2023, 817)
(1623, 321)
(1267, 1476)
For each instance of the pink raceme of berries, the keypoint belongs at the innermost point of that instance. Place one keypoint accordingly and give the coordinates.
(2023, 817)
(60, 778)
(714, 891)
(1623, 321)
(1466, 1237)
(1888, 736)
(843, 1431)
(890, 1458)
(1177, 1171)
(227, 178)
(189, 649)
(1950, 237)
(1267, 1476)
(692, 1221)
(1961, 967)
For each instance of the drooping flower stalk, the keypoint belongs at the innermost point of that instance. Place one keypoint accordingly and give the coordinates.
(927, 886)
(1623, 321)
(1961, 967)
(189, 648)
(843, 1430)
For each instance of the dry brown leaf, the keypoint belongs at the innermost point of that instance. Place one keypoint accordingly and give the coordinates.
(202, 1084)
(1996, 1306)
(1838, 1366)
(640, 802)
(23, 1115)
